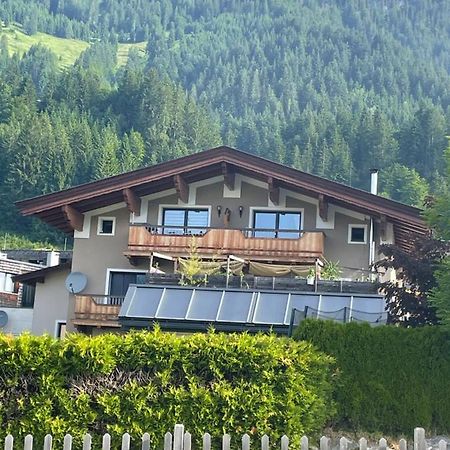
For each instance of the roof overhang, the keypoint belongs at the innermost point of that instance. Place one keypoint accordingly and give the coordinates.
(64, 209)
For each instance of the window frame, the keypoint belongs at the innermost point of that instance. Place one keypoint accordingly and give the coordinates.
(109, 271)
(277, 211)
(100, 221)
(349, 235)
(163, 208)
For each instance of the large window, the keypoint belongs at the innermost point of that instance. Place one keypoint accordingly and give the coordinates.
(119, 282)
(183, 219)
(277, 224)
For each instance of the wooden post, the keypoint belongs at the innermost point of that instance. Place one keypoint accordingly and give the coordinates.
(228, 272)
(145, 441)
(403, 444)
(206, 441)
(187, 441)
(343, 443)
(363, 444)
(442, 445)
(178, 434)
(106, 442)
(67, 442)
(419, 439)
(246, 442)
(284, 442)
(226, 441)
(9, 442)
(168, 441)
(126, 441)
(87, 442)
(265, 442)
(324, 443)
(382, 444)
(28, 443)
(304, 444)
(48, 442)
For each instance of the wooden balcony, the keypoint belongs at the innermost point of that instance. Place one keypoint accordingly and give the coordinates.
(300, 246)
(97, 310)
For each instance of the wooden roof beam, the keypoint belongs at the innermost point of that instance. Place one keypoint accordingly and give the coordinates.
(228, 176)
(132, 201)
(73, 217)
(182, 188)
(274, 191)
(323, 207)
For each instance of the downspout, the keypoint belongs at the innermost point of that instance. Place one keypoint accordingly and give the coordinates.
(374, 191)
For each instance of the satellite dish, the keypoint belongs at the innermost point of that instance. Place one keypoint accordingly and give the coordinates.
(76, 282)
(3, 319)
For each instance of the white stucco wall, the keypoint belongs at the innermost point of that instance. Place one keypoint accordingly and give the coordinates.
(19, 320)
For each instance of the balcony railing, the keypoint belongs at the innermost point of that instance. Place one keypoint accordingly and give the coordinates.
(252, 243)
(97, 310)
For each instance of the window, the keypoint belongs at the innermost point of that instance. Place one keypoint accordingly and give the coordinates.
(6, 283)
(106, 226)
(181, 219)
(119, 282)
(357, 234)
(277, 224)
(60, 329)
(28, 294)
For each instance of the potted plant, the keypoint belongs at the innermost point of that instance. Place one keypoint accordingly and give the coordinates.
(311, 276)
(330, 270)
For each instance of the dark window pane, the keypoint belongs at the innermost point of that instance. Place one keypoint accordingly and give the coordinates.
(28, 293)
(106, 226)
(358, 234)
(265, 220)
(119, 282)
(174, 304)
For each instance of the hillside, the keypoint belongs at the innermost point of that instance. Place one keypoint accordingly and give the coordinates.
(329, 87)
(66, 50)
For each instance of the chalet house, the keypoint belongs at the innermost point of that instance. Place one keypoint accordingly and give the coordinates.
(243, 213)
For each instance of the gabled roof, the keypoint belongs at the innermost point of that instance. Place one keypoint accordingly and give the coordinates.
(52, 208)
(38, 276)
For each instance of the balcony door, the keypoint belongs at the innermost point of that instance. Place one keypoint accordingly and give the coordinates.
(185, 221)
(277, 224)
(119, 282)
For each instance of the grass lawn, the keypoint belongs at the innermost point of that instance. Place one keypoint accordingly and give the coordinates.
(67, 50)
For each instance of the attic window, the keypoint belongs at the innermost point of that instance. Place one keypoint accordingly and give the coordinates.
(357, 234)
(106, 226)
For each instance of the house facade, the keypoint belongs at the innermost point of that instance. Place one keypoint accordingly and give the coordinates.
(240, 211)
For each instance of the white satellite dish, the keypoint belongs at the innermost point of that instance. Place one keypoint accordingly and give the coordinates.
(3, 319)
(76, 282)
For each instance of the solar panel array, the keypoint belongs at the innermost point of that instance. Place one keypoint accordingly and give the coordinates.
(235, 306)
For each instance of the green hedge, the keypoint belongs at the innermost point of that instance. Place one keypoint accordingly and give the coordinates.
(148, 381)
(391, 379)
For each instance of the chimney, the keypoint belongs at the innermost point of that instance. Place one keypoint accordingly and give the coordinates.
(374, 181)
(3, 255)
(52, 258)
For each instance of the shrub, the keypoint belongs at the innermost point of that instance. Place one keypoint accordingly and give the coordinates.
(148, 381)
(391, 379)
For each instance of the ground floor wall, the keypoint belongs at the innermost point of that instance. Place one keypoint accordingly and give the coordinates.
(19, 320)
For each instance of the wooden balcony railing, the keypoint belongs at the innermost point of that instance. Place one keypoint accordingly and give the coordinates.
(97, 310)
(258, 244)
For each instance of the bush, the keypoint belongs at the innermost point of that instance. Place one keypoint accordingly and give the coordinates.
(149, 381)
(391, 379)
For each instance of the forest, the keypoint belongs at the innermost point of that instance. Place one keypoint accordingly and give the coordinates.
(330, 87)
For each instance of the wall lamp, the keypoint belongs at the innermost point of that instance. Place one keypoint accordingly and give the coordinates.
(241, 210)
(219, 210)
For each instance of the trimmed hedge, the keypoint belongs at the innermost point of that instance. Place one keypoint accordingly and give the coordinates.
(391, 379)
(148, 381)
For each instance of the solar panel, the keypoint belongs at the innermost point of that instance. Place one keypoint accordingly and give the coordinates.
(271, 308)
(368, 304)
(299, 302)
(174, 304)
(334, 302)
(141, 302)
(235, 306)
(204, 305)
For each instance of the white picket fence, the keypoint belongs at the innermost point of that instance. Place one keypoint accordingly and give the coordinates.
(181, 440)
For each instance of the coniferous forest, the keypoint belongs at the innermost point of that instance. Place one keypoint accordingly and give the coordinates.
(332, 87)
